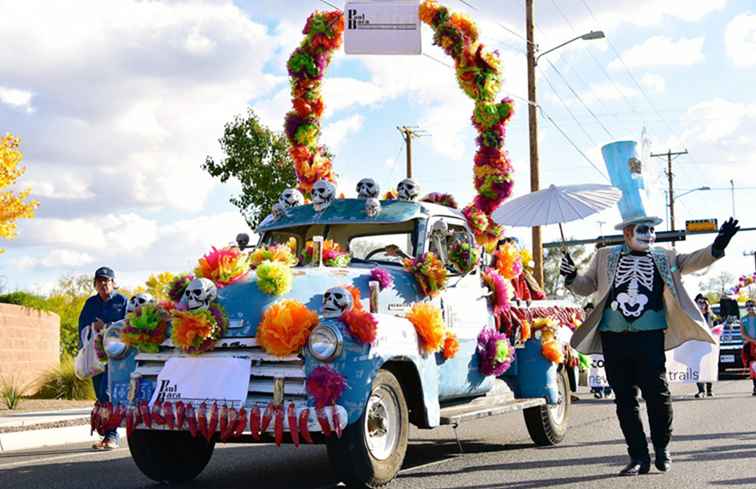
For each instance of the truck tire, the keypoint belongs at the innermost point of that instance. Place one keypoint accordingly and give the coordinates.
(371, 450)
(547, 425)
(170, 457)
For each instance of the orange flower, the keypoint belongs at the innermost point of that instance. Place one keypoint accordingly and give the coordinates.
(429, 325)
(428, 10)
(451, 345)
(285, 327)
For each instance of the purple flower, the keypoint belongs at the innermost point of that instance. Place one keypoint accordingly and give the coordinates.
(382, 276)
(488, 349)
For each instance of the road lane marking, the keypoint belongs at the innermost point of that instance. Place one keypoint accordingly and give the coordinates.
(52, 459)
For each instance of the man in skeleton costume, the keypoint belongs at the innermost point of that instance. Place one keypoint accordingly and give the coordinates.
(642, 310)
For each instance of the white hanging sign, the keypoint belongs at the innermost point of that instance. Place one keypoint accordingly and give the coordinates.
(597, 374)
(385, 27)
(694, 361)
(198, 379)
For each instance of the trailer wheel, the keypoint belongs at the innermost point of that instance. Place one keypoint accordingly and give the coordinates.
(371, 451)
(547, 425)
(170, 457)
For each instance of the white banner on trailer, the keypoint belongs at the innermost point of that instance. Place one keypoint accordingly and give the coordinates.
(390, 27)
(197, 379)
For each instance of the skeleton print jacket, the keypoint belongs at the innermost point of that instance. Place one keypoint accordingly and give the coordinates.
(684, 320)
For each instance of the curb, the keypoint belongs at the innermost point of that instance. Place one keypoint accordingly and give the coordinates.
(43, 435)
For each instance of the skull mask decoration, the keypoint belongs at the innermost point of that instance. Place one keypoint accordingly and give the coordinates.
(643, 237)
(291, 197)
(372, 207)
(278, 211)
(336, 301)
(408, 189)
(139, 300)
(199, 294)
(368, 189)
(323, 193)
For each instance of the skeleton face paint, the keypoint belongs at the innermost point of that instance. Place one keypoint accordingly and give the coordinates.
(323, 193)
(336, 300)
(643, 238)
(138, 300)
(368, 189)
(199, 294)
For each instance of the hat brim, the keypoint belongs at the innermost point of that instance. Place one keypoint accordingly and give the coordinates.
(653, 220)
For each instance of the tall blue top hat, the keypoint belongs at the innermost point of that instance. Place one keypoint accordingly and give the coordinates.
(626, 173)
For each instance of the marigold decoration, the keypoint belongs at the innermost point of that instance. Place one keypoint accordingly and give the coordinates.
(356, 297)
(550, 347)
(223, 266)
(382, 276)
(362, 325)
(333, 255)
(390, 195)
(478, 74)
(495, 354)
(499, 289)
(178, 286)
(429, 325)
(274, 277)
(13, 205)
(146, 328)
(429, 272)
(277, 253)
(197, 331)
(526, 331)
(307, 64)
(463, 256)
(291, 243)
(451, 345)
(285, 327)
(508, 261)
(441, 199)
(526, 258)
(743, 282)
(325, 385)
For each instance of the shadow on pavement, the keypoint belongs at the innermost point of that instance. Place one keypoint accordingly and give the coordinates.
(751, 482)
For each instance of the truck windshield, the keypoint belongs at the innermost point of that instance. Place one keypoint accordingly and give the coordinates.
(364, 241)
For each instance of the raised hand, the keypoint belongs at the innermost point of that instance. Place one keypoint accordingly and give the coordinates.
(726, 232)
(567, 267)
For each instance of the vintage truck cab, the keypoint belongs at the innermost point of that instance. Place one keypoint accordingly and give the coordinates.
(389, 382)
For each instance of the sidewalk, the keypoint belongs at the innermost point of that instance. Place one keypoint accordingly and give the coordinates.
(25, 430)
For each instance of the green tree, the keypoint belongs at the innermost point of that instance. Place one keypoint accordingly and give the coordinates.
(716, 286)
(553, 282)
(259, 158)
(67, 300)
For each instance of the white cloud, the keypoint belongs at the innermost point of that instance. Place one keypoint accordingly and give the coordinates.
(662, 51)
(16, 98)
(606, 92)
(335, 133)
(653, 82)
(740, 40)
(55, 259)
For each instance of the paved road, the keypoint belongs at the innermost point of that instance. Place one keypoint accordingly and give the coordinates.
(714, 446)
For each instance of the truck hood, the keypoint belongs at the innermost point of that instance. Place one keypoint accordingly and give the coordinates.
(245, 303)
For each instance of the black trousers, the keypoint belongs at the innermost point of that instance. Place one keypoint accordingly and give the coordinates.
(636, 361)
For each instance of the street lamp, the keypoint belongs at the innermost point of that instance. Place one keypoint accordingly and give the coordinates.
(535, 178)
(676, 197)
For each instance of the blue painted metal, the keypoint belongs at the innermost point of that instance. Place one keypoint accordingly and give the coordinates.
(536, 376)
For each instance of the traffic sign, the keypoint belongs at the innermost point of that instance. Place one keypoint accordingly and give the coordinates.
(701, 226)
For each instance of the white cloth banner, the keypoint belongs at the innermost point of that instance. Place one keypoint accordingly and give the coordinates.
(596, 374)
(197, 379)
(694, 361)
(390, 27)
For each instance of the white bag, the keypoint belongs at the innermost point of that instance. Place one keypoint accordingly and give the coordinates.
(87, 365)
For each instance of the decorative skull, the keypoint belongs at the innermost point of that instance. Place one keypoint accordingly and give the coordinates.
(291, 197)
(372, 207)
(368, 189)
(408, 189)
(278, 211)
(336, 301)
(199, 294)
(323, 193)
(138, 300)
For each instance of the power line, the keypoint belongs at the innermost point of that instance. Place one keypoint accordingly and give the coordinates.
(585, 157)
(331, 5)
(566, 107)
(500, 24)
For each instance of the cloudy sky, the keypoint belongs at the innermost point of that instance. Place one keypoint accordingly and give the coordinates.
(117, 104)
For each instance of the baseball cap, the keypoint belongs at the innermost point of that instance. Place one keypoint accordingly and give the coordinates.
(105, 272)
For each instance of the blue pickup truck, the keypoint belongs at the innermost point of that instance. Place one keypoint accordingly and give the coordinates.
(390, 383)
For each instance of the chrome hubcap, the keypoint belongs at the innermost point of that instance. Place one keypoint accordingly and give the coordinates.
(559, 410)
(382, 423)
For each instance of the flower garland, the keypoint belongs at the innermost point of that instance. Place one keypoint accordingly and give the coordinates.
(743, 282)
(508, 261)
(333, 255)
(499, 289)
(197, 331)
(429, 325)
(223, 266)
(451, 345)
(285, 327)
(441, 199)
(546, 328)
(430, 273)
(178, 285)
(325, 385)
(306, 65)
(495, 354)
(277, 253)
(146, 328)
(361, 324)
(99, 348)
(382, 276)
(463, 256)
(478, 74)
(274, 277)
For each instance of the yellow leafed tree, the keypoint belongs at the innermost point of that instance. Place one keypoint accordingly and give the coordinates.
(13, 205)
(158, 285)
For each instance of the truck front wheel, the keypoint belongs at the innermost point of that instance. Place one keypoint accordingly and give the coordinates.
(170, 457)
(547, 425)
(371, 450)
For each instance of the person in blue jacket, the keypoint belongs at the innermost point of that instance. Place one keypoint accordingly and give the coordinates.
(103, 308)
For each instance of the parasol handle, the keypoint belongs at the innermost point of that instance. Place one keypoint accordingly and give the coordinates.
(564, 245)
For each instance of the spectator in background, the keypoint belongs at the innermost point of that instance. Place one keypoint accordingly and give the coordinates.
(748, 330)
(103, 308)
(703, 305)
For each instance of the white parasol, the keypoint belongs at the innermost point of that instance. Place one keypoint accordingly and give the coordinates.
(557, 205)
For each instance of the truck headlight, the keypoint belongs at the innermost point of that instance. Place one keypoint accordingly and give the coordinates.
(114, 348)
(325, 343)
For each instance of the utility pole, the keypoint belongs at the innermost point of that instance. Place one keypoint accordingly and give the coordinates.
(753, 254)
(732, 195)
(670, 178)
(535, 176)
(407, 134)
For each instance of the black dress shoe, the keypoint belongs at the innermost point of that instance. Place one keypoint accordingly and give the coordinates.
(636, 467)
(663, 461)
